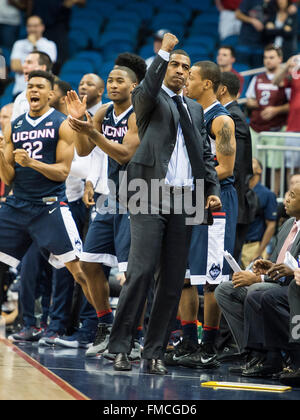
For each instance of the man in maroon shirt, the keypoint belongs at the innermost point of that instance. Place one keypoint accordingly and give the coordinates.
(269, 108)
(225, 60)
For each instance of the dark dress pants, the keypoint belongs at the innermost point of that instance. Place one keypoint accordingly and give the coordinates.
(157, 241)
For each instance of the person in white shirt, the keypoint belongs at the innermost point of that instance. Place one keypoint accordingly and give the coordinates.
(21, 48)
(10, 21)
(36, 60)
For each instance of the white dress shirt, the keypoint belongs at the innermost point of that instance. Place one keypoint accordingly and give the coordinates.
(179, 169)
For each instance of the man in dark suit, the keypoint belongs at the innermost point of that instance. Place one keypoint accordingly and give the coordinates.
(174, 150)
(227, 95)
(244, 302)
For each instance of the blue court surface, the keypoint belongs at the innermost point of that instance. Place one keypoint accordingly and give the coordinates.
(97, 380)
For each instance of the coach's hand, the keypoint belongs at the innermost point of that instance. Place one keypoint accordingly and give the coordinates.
(75, 107)
(22, 157)
(214, 203)
(169, 42)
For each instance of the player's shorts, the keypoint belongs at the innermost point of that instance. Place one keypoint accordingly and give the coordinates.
(108, 241)
(50, 226)
(206, 261)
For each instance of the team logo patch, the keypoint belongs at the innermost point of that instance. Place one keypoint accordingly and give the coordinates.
(48, 124)
(78, 245)
(215, 271)
(19, 123)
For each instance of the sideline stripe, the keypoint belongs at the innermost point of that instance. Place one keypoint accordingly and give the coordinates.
(50, 375)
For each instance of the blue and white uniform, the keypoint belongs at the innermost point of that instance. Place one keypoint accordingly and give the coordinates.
(206, 261)
(108, 238)
(37, 211)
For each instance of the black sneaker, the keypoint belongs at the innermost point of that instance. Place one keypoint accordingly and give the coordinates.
(200, 359)
(290, 378)
(262, 370)
(182, 349)
(251, 361)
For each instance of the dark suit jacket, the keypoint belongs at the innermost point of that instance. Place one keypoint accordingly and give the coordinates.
(243, 161)
(157, 120)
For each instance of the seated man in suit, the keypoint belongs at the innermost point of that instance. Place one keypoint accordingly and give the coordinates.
(292, 377)
(264, 280)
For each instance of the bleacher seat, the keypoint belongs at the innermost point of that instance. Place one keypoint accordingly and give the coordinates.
(77, 66)
(91, 56)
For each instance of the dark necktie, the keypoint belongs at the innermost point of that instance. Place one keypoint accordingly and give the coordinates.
(189, 137)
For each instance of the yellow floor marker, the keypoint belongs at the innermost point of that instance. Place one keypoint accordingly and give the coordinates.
(246, 386)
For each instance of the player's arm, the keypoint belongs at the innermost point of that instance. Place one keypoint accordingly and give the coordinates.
(122, 153)
(58, 171)
(7, 171)
(224, 131)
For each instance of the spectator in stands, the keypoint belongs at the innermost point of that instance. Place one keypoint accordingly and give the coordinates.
(36, 60)
(262, 229)
(251, 14)
(34, 41)
(228, 23)
(269, 109)
(289, 76)
(158, 37)
(10, 21)
(225, 60)
(56, 16)
(281, 29)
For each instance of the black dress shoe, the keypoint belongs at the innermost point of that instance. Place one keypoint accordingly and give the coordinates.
(122, 362)
(156, 367)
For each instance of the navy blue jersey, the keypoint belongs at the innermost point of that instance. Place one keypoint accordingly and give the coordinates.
(216, 110)
(115, 132)
(39, 137)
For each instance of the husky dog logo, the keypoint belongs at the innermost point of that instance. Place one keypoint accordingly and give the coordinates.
(215, 271)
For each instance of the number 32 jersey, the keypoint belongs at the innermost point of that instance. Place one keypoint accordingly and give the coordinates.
(39, 137)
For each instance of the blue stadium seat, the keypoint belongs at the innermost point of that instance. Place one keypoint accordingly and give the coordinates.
(78, 40)
(200, 5)
(204, 28)
(105, 69)
(196, 50)
(145, 10)
(230, 40)
(122, 27)
(146, 51)
(204, 40)
(94, 57)
(72, 78)
(212, 18)
(177, 8)
(78, 65)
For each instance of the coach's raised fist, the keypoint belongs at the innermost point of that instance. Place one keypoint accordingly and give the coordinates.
(169, 42)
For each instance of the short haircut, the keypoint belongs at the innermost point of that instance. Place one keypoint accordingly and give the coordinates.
(228, 47)
(210, 71)
(131, 74)
(44, 74)
(272, 47)
(63, 86)
(134, 62)
(44, 59)
(179, 52)
(232, 82)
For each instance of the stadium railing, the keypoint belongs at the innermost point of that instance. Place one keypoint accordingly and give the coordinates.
(262, 151)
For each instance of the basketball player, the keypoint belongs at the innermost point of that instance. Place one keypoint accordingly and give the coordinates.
(114, 130)
(36, 160)
(211, 241)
